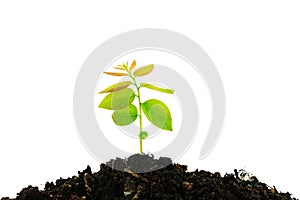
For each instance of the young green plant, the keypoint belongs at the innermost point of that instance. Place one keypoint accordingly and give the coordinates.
(120, 99)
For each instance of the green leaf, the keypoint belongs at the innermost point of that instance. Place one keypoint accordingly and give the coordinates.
(125, 115)
(118, 100)
(153, 87)
(119, 68)
(116, 87)
(158, 114)
(143, 135)
(142, 71)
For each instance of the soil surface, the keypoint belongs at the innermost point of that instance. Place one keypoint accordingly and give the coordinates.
(170, 182)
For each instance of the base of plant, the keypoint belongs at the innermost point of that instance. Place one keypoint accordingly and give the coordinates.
(170, 182)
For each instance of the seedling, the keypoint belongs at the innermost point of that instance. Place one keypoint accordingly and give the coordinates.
(120, 100)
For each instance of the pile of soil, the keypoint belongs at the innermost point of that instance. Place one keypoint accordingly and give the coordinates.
(170, 182)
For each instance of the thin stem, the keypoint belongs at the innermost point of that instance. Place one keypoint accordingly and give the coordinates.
(139, 109)
(140, 117)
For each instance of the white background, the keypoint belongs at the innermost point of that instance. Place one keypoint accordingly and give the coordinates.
(255, 46)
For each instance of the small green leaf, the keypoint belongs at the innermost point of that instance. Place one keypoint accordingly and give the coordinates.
(125, 115)
(119, 68)
(158, 114)
(142, 71)
(153, 87)
(116, 87)
(118, 100)
(143, 135)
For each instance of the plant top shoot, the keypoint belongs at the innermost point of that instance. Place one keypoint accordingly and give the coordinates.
(120, 99)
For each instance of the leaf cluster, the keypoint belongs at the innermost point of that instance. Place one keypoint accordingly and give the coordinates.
(120, 99)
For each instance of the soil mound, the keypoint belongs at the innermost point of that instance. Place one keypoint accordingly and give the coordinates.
(170, 182)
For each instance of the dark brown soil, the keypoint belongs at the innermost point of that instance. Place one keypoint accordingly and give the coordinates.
(170, 182)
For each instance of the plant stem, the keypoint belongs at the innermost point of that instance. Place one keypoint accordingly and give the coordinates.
(139, 109)
(140, 116)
